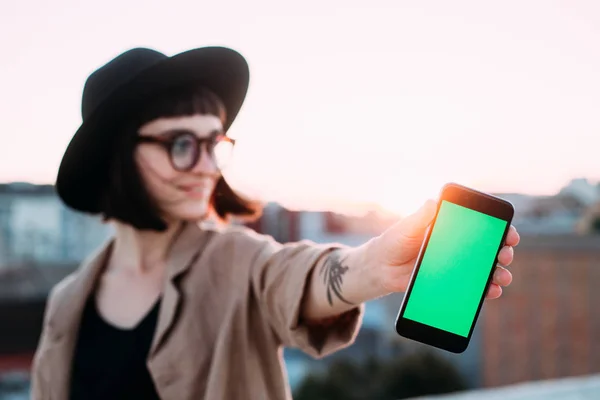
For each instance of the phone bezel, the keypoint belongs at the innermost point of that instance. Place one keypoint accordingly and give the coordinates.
(475, 200)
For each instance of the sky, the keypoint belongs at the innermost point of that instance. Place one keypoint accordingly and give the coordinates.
(349, 102)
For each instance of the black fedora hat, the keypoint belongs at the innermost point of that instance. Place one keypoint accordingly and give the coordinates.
(123, 85)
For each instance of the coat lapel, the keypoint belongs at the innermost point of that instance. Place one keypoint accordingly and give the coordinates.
(64, 319)
(185, 250)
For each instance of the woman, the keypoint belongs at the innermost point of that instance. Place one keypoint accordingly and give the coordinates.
(172, 308)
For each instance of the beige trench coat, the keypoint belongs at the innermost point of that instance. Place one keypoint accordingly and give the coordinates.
(231, 301)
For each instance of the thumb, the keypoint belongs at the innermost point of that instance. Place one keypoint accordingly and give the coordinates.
(414, 225)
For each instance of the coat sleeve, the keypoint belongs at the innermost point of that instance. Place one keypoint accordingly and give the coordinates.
(280, 275)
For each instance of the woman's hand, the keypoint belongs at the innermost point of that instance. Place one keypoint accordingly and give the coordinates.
(383, 265)
(397, 248)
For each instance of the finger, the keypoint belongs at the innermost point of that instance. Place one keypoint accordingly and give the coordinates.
(414, 225)
(494, 292)
(506, 255)
(512, 238)
(502, 276)
(425, 214)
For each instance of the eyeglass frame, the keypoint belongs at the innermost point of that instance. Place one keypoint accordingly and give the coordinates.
(167, 143)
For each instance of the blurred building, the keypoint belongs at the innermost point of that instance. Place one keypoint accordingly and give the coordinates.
(557, 214)
(35, 227)
(547, 323)
(41, 241)
(321, 226)
(583, 189)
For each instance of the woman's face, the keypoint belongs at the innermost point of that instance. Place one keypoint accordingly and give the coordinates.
(180, 194)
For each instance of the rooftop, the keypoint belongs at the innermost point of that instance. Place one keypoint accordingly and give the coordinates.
(574, 388)
(31, 282)
(26, 188)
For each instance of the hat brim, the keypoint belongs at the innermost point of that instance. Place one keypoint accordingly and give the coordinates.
(82, 175)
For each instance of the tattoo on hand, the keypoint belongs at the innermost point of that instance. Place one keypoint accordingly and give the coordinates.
(333, 272)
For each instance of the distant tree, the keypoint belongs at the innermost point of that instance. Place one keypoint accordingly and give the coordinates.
(422, 373)
(418, 374)
(596, 224)
(590, 220)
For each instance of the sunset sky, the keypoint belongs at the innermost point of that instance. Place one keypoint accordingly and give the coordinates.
(350, 101)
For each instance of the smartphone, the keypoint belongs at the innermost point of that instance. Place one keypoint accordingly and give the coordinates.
(454, 268)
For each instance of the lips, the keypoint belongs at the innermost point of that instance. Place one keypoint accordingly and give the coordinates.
(197, 190)
(193, 188)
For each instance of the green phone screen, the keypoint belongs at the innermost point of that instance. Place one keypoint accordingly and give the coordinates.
(455, 268)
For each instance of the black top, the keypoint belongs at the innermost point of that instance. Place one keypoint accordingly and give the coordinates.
(110, 362)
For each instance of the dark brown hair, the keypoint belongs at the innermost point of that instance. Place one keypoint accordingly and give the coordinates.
(127, 199)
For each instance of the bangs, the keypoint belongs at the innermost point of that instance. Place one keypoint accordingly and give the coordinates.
(181, 102)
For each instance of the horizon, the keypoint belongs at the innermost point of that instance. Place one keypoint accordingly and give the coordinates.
(359, 208)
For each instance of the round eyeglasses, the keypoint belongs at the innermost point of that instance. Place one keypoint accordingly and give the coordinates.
(185, 148)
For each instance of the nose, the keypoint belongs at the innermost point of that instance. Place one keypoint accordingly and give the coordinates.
(206, 164)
